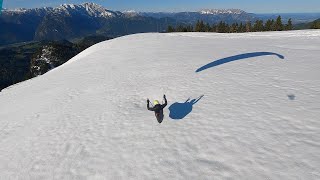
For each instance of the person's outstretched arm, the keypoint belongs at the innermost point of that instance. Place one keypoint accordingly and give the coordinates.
(165, 101)
(148, 107)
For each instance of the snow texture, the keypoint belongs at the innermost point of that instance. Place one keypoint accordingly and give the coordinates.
(253, 117)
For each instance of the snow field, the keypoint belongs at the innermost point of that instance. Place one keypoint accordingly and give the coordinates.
(87, 119)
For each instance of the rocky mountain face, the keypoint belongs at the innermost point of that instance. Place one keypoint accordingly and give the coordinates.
(85, 9)
(70, 21)
(20, 25)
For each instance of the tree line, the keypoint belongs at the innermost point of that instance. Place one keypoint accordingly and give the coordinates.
(315, 24)
(222, 27)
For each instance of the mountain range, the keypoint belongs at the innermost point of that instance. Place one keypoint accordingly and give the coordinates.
(69, 21)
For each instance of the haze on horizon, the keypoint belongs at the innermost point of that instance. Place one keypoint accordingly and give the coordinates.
(258, 6)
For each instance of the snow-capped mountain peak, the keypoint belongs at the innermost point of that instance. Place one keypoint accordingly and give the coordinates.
(131, 13)
(97, 10)
(221, 11)
(67, 6)
(25, 10)
(20, 10)
(90, 9)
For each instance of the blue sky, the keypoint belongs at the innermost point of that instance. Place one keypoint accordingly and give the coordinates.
(254, 6)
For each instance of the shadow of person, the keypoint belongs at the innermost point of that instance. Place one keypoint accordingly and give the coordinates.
(181, 110)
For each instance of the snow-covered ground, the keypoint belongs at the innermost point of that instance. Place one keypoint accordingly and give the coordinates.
(259, 117)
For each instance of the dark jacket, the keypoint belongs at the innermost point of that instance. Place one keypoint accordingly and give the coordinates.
(158, 110)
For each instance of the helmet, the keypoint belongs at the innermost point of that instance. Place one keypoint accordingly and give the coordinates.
(155, 102)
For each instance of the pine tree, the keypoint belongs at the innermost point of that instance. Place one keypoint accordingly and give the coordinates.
(248, 26)
(289, 25)
(255, 26)
(189, 28)
(273, 27)
(278, 24)
(227, 27)
(207, 27)
(200, 27)
(234, 28)
(242, 28)
(220, 27)
(214, 28)
(258, 26)
(231, 28)
(196, 29)
(268, 26)
(179, 28)
(261, 25)
(170, 29)
(223, 27)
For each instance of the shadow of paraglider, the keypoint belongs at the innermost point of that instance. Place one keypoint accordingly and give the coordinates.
(181, 110)
(237, 57)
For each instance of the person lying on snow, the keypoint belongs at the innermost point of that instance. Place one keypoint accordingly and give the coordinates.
(158, 108)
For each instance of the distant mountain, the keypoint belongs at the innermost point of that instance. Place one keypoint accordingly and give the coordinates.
(85, 9)
(297, 18)
(222, 11)
(72, 21)
(20, 24)
(211, 16)
(311, 25)
(69, 21)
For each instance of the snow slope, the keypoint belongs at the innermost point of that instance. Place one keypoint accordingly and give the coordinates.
(258, 117)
